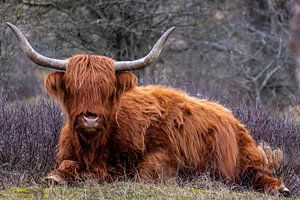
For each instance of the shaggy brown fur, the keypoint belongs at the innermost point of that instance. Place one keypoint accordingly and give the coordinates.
(149, 133)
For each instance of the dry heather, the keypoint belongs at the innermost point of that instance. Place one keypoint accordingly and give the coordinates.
(29, 134)
(272, 157)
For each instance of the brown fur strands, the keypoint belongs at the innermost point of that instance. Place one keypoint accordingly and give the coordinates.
(90, 80)
(149, 132)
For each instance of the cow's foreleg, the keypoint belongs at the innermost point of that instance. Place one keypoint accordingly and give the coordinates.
(99, 173)
(66, 172)
(156, 166)
(261, 179)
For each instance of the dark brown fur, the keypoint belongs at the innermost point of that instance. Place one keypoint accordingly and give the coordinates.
(149, 132)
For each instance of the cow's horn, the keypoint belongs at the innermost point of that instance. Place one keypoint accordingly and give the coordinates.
(147, 60)
(35, 56)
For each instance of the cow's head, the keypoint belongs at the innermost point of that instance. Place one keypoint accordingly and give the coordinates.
(89, 91)
(89, 87)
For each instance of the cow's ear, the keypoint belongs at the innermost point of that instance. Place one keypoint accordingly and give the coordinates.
(54, 85)
(125, 81)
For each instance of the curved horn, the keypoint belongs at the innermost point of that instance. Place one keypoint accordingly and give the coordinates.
(147, 60)
(35, 56)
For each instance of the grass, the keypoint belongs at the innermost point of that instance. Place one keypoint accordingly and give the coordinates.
(129, 190)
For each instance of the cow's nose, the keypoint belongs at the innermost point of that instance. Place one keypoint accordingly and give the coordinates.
(89, 120)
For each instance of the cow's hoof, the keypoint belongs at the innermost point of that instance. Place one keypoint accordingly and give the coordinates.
(54, 180)
(284, 191)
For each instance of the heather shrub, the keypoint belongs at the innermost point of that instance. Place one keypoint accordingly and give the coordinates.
(279, 132)
(29, 134)
(268, 126)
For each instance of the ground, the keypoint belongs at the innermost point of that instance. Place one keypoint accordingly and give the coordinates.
(129, 190)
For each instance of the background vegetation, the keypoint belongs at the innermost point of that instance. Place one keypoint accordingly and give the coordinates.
(235, 52)
(29, 134)
(241, 45)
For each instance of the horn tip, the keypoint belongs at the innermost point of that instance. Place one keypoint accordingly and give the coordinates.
(8, 24)
(169, 31)
(172, 29)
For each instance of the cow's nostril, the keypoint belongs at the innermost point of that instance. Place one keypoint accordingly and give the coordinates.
(90, 119)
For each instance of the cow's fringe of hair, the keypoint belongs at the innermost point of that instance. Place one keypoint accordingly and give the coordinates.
(90, 78)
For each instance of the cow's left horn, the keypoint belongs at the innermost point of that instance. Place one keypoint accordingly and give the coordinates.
(35, 56)
(147, 60)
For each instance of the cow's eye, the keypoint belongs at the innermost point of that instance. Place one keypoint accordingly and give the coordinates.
(112, 97)
(64, 89)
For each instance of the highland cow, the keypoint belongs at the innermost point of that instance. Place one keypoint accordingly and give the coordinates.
(113, 127)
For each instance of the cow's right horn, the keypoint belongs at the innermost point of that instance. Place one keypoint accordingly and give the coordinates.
(35, 56)
(148, 59)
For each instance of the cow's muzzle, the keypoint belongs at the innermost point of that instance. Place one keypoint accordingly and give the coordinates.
(89, 122)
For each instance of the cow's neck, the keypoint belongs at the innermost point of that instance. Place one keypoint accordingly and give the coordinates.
(91, 145)
(91, 140)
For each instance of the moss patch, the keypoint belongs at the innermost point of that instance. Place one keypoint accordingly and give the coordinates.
(23, 193)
